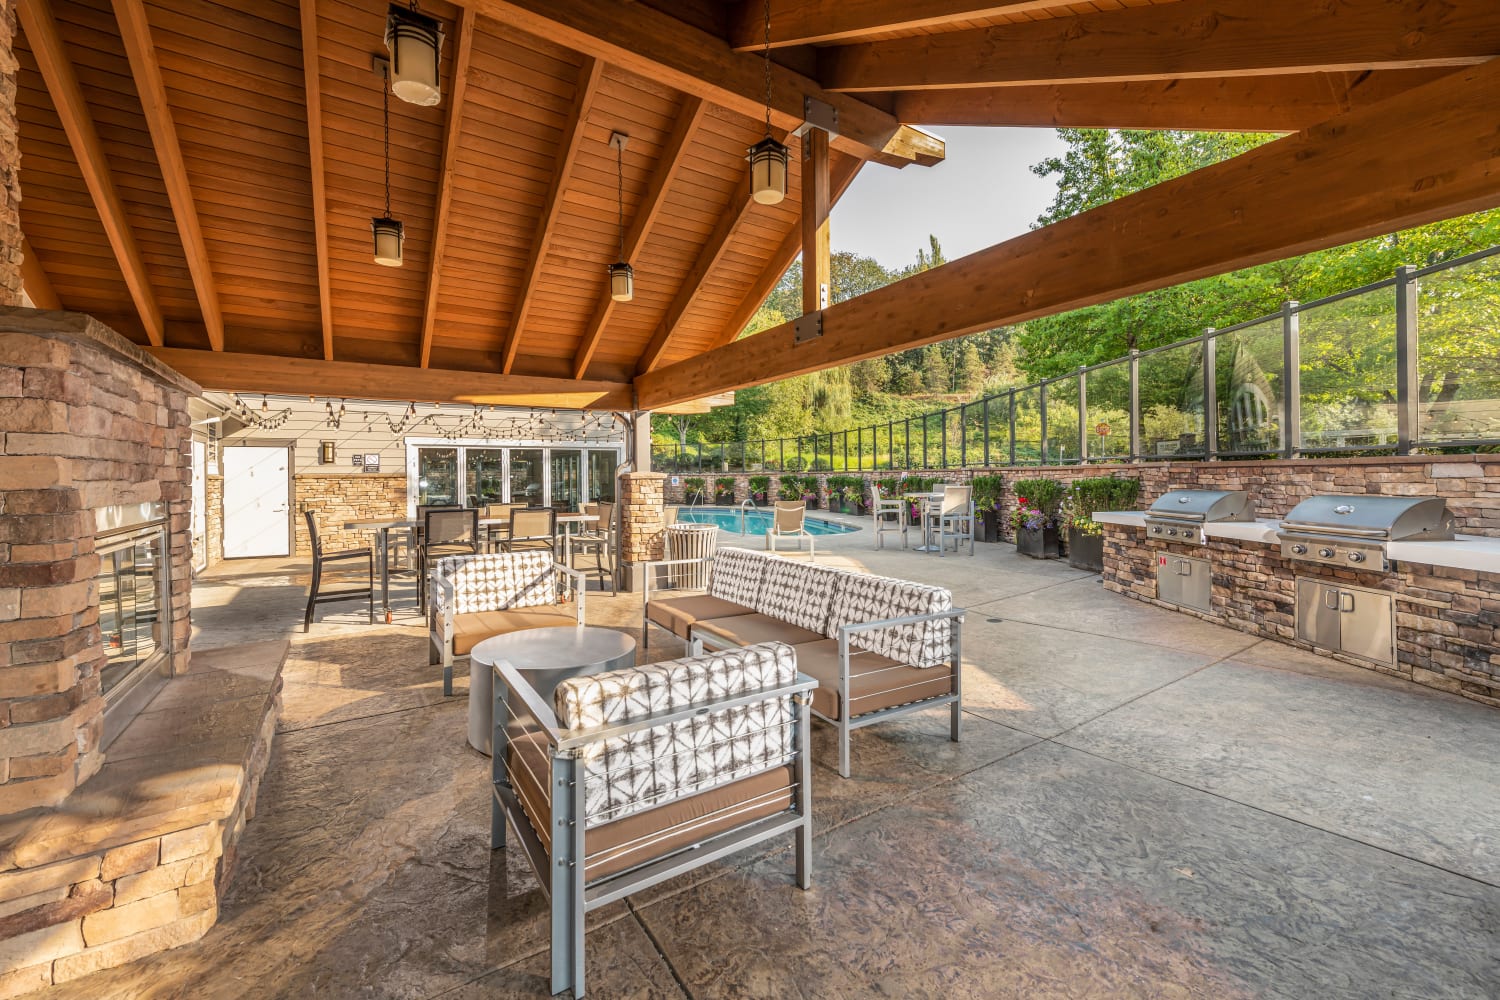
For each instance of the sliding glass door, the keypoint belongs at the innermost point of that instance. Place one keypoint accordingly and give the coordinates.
(484, 473)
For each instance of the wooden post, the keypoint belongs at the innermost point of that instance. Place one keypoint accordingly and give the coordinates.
(816, 259)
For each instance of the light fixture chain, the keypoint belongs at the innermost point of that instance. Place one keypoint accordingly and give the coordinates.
(620, 194)
(768, 69)
(387, 91)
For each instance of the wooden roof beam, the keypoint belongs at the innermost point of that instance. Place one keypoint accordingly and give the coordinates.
(667, 167)
(464, 51)
(1230, 104)
(140, 51)
(313, 87)
(1432, 152)
(657, 46)
(1191, 38)
(803, 22)
(315, 376)
(34, 280)
(588, 85)
(77, 121)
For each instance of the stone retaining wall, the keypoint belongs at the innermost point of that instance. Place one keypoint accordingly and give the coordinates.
(339, 498)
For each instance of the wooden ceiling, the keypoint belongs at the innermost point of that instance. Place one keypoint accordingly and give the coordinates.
(201, 174)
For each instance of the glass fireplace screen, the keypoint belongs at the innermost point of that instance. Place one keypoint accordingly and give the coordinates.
(132, 585)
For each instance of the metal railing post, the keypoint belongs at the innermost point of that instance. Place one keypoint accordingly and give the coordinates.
(1408, 388)
(963, 435)
(906, 444)
(1011, 404)
(1042, 448)
(1083, 415)
(846, 451)
(985, 416)
(1291, 381)
(1135, 405)
(1210, 395)
(943, 427)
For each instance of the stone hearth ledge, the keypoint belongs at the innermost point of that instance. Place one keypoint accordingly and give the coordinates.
(135, 859)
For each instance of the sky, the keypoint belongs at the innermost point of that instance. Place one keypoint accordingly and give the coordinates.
(982, 194)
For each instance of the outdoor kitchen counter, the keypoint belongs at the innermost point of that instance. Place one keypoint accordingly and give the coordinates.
(1476, 552)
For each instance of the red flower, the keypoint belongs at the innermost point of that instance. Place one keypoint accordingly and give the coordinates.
(1021, 500)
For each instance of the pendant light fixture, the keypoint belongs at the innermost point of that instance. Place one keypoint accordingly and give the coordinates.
(768, 157)
(415, 42)
(388, 232)
(621, 275)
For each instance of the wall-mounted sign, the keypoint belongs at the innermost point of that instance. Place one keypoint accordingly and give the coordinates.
(359, 459)
(372, 461)
(676, 481)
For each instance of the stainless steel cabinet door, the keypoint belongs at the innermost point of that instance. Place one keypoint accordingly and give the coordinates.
(1318, 613)
(1183, 581)
(1367, 624)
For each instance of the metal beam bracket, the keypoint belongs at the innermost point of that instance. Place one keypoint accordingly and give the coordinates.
(818, 114)
(807, 328)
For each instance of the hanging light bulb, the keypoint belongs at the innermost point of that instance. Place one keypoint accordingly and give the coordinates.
(265, 406)
(768, 157)
(415, 42)
(388, 232)
(621, 274)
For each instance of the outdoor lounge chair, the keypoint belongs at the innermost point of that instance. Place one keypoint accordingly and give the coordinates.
(609, 792)
(789, 520)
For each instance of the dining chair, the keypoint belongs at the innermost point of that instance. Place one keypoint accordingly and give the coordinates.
(957, 511)
(496, 533)
(445, 532)
(600, 539)
(890, 514)
(315, 593)
(532, 528)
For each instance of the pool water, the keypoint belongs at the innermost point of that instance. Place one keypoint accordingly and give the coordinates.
(757, 522)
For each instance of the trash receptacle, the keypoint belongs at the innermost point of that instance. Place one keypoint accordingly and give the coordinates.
(691, 541)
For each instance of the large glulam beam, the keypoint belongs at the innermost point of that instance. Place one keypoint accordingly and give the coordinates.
(1228, 104)
(659, 47)
(314, 376)
(312, 82)
(1432, 152)
(1192, 38)
(803, 22)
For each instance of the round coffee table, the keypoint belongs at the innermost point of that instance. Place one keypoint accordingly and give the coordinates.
(545, 656)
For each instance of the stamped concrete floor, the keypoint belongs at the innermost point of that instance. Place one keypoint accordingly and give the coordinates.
(1144, 805)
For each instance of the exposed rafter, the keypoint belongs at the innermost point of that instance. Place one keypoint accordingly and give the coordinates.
(140, 50)
(1192, 38)
(1233, 104)
(313, 88)
(298, 376)
(588, 84)
(667, 167)
(802, 22)
(656, 45)
(1428, 153)
(465, 48)
(77, 121)
(34, 279)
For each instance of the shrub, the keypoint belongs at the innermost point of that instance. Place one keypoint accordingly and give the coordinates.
(887, 487)
(987, 492)
(1086, 496)
(1037, 503)
(692, 487)
(723, 485)
(760, 488)
(789, 488)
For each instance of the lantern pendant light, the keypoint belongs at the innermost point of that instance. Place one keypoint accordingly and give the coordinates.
(768, 157)
(415, 42)
(621, 275)
(388, 232)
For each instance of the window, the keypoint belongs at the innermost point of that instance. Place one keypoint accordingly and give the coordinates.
(484, 473)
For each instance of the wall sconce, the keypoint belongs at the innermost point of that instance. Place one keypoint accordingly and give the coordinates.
(326, 453)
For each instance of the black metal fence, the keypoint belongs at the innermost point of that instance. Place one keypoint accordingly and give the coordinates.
(1409, 362)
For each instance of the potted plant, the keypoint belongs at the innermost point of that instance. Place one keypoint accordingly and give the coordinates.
(1083, 499)
(809, 487)
(1035, 519)
(862, 502)
(988, 491)
(724, 490)
(789, 488)
(760, 489)
(844, 493)
(911, 488)
(694, 489)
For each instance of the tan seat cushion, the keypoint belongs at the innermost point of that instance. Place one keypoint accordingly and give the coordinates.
(875, 681)
(678, 614)
(624, 843)
(472, 627)
(746, 630)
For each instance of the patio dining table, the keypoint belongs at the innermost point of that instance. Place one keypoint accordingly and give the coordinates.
(928, 501)
(384, 525)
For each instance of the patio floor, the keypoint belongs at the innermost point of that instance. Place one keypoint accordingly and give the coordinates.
(1144, 805)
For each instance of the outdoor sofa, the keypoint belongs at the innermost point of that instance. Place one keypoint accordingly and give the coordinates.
(476, 597)
(624, 779)
(878, 647)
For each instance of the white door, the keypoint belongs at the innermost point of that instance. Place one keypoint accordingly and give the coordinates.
(256, 492)
(200, 505)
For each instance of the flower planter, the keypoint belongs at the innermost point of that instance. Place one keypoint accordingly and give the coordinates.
(724, 499)
(1038, 543)
(1085, 551)
(989, 526)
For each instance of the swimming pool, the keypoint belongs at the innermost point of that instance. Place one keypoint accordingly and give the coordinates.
(756, 522)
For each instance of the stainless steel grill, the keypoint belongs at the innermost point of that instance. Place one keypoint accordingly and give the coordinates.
(1179, 515)
(1353, 530)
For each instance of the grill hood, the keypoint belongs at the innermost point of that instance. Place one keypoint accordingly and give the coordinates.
(1198, 506)
(1390, 519)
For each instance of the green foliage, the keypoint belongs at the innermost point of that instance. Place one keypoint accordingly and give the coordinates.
(888, 487)
(693, 486)
(760, 488)
(1044, 495)
(724, 484)
(850, 489)
(987, 492)
(1087, 496)
(789, 488)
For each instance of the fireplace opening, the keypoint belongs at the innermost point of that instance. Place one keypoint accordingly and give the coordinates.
(134, 626)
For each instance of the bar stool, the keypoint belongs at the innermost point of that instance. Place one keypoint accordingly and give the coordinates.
(315, 594)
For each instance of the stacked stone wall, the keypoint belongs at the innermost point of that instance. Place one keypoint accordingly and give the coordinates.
(337, 499)
(10, 163)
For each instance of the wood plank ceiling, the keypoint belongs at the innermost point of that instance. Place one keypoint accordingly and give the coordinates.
(250, 134)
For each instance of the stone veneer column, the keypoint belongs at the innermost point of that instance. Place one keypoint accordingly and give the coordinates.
(10, 164)
(643, 523)
(87, 420)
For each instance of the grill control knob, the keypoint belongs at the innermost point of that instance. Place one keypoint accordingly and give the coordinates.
(1299, 549)
(1356, 557)
(1325, 553)
(1172, 532)
(1156, 530)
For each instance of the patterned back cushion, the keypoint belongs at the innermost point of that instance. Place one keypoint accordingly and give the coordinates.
(736, 575)
(798, 593)
(865, 598)
(629, 774)
(499, 581)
